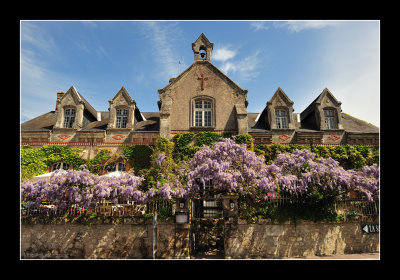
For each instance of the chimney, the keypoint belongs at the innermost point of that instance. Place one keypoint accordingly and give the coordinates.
(59, 95)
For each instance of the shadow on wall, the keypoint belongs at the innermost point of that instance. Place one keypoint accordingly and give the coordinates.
(301, 240)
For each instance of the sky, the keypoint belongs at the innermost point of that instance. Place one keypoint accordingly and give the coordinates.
(301, 57)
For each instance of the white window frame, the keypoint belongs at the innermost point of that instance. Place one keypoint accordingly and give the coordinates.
(330, 119)
(121, 119)
(281, 118)
(202, 113)
(69, 117)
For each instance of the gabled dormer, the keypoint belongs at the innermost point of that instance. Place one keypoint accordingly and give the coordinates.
(324, 113)
(122, 111)
(278, 113)
(73, 112)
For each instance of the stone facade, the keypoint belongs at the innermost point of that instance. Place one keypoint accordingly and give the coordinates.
(202, 81)
(226, 112)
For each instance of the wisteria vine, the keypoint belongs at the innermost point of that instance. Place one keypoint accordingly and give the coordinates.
(230, 166)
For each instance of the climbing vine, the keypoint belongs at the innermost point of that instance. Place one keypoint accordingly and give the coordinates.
(36, 161)
(349, 156)
(187, 144)
(138, 156)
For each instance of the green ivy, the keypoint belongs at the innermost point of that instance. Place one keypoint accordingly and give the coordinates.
(36, 161)
(207, 138)
(138, 156)
(314, 207)
(187, 144)
(348, 156)
(96, 164)
(245, 139)
(163, 145)
(183, 149)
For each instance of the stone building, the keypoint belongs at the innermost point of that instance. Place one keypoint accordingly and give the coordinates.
(201, 98)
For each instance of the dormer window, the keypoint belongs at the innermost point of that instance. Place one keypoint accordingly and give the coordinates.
(69, 117)
(203, 113)
(330, 119)
(122, 118)
(281, 119)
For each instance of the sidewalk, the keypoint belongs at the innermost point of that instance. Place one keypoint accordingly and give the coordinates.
(363, 256)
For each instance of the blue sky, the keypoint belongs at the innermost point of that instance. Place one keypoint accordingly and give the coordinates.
(301, 57)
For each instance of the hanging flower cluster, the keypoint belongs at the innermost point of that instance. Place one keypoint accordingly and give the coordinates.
(230, 166)
(83, 189)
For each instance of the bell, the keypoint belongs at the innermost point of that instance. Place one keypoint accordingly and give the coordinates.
(202, 55)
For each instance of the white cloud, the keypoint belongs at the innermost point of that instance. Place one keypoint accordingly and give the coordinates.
(351, 69)
(223, 54)
(165, 37)
(259, 25)
(100, 51)
(297, 26)
(33, 35)
(244, 69)
(39, 83)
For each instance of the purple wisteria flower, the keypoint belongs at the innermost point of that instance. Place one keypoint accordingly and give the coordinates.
(230, 167)
(160, 159)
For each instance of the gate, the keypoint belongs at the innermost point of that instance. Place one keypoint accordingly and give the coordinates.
(207, 224)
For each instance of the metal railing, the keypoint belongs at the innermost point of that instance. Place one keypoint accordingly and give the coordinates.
(352, 206)
(161, 206)
(356, 206)
(207, 208)
(102, 209)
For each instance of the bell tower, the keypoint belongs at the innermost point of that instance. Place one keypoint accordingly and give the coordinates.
(202, 48)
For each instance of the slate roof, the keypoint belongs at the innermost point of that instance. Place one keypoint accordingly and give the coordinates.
(43, 122)
(151, 122)
(46, 122)
(350, 124)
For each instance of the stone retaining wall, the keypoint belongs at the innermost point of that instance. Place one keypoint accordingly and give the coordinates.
(297, 240)
(135, 241)
(103, 241)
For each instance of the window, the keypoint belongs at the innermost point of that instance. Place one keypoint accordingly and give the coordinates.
(122, 118)
(281, 119)
(330, 119)
(118, 166)
(69, 117)
(203, 113)
(60, 165)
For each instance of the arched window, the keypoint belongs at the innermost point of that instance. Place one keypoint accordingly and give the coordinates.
(69, 117)
(122, 118)
(59, 165)
(330, 119)
(202, 113)
(115, 166)
(281, 119)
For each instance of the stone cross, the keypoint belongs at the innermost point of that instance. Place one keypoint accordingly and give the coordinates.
(202, 81)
